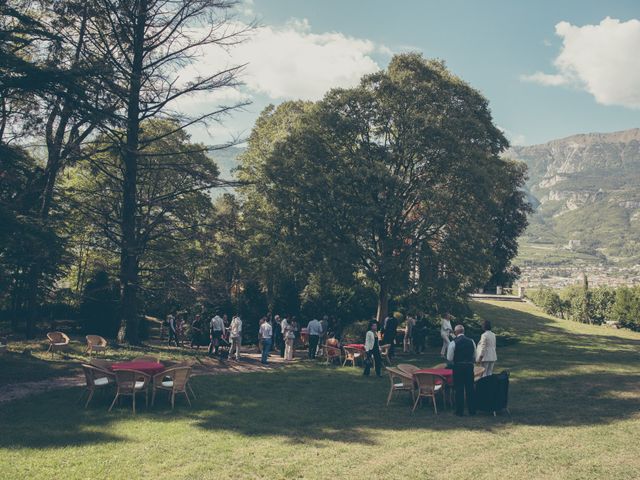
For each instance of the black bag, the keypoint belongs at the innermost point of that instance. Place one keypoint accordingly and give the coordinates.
(492, 393)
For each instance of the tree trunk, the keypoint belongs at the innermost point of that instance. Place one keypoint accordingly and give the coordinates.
(383, 303)
(129, 249)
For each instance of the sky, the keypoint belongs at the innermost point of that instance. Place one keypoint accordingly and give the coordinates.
(549, 69)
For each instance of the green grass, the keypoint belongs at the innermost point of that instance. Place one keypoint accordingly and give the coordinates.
(574, 404)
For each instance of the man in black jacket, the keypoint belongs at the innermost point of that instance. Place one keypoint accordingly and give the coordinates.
(462, 353)
(389, 332)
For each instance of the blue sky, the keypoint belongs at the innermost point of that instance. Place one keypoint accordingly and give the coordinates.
(549, 68)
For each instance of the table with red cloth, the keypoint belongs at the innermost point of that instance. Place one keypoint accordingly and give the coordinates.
(357, 346)
(150, 368)
(447, 373)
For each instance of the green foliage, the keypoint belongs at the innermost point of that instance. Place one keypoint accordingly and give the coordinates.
(99, 306)
(549, 301)
(626, 307)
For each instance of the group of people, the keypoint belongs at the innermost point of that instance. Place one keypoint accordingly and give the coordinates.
(460, 351)
(283, 333)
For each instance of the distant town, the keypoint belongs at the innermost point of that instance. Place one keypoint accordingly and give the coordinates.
(564, 276)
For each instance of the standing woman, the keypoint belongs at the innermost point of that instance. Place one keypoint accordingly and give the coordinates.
(446, 332)
(289, 334)
(408, 334)
(487, 349)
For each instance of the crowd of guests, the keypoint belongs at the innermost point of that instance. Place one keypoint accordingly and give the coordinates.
(282, 333)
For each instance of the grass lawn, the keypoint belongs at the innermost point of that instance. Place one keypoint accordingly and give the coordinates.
(575, 405)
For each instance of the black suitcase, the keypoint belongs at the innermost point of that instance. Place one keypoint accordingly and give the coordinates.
(492, 393)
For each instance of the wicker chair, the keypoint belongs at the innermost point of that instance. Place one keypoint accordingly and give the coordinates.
(408, 368)
(96, 379)
(129, 383)
(400, 382)
(146, 358)
(477, 373)
(95, 343)
(428, 385)
(58, 341)
(352, 355)
(174, 380)
(332, 353)
(384, 354)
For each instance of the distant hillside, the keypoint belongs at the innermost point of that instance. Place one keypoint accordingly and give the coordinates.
(587, 199)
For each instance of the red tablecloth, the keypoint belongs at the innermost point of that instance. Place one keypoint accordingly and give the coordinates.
(357, 346)
(150, 368)
(443, 372)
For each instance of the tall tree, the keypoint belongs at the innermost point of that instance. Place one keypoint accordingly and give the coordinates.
(146, 43)
(398, 169)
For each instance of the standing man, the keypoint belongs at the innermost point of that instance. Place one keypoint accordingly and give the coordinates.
(372, 349)
(462, 353)
(389, 332)
(487, 349)
(266, 333)
(278, 339)
(314, 330)
(235, 335)
(216, 327)
(171, 321)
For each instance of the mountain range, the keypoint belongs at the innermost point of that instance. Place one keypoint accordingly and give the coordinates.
(586, 195)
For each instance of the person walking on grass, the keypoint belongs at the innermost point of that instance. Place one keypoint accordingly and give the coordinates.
(446, 332)
(266, 333)
(289, 334)
(216, 328)
(389, 333)
(487, 356)
(462, 353)
(235, 335)
(372, 350)
(171, 322)
(315, 331)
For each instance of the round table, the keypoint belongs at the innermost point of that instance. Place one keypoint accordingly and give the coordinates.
(150, 368)
(357, 346)
(446, 373)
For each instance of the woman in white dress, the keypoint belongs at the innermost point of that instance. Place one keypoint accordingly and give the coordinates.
(486, 351)
(446, 332)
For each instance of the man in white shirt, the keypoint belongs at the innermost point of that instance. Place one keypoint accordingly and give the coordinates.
(486, 353)
(314, 330)
(372, 349)
(235, 335)
(217, 327)
(266, 333)
(171, 320)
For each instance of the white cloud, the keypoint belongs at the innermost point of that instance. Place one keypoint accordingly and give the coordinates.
(601, 59)
(291, 62)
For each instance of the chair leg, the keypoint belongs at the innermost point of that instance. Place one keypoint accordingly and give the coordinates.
(153, 397)
(173, 399)
(188, 400)
(389, 396)
(435, 407)
(114, 400)
(191, 390)
(89, 399)
(415, 404)
(134, 402)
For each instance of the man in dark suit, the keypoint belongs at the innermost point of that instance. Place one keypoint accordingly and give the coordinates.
(389, 332)
(462, 353)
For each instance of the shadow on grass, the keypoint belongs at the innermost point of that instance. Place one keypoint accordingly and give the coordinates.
(559, 379)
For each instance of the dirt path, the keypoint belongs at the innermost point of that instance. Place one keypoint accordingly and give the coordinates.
(250, 362)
